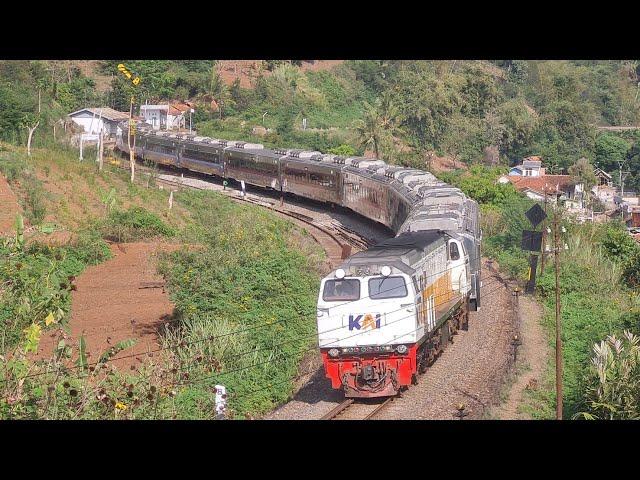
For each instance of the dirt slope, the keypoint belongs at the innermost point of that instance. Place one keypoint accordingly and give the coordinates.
(246, 70)
(111, 305)
(8, 207)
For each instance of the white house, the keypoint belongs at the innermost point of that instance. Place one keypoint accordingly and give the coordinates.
(93, 120)
(531, 167)
(166, 116)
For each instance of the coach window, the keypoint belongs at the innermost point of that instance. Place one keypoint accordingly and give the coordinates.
(454, 253)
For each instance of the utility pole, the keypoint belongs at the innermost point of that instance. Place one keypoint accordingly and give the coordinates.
(544, 192)
(132, 161)
(135, 80)
(556, 253)
(101, 150)
(99, 146)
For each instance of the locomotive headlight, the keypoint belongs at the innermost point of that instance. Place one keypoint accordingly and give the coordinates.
(334, 352)
(340, 273)
(401, 349)
(385, 271)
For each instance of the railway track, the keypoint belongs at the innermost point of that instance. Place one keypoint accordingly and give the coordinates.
(351, 409)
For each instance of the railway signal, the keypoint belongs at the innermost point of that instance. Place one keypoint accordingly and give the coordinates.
(530, 288)
(533, 241)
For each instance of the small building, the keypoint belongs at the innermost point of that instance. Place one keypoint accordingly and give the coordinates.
(635, 216)
(94, 120)
(530, 167)
(606, 194)
(604, 179)
(167, 116)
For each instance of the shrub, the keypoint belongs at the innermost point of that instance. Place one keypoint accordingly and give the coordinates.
(613, 382)
(136, 223)
(631, 272)
(344, 150)
(618, 244)
(36, 281)
(248, 279)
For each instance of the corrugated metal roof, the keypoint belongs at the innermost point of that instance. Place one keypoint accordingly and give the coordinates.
(532, 163)
(108, 113)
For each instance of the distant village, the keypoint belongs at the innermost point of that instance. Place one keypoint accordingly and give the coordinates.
(529, 177)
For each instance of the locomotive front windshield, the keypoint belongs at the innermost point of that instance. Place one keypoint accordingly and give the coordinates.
(337, 290)
(387, 287)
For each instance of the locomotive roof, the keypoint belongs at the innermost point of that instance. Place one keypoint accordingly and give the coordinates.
(402, 252)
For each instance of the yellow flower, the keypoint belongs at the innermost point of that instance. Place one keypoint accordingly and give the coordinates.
(49, 320)
(120, 406)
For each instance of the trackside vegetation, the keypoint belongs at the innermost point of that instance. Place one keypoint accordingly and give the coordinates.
(599, 295)
(472, 116)
(245, 305)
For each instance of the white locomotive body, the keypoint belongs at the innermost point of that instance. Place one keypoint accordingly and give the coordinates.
(383, 314)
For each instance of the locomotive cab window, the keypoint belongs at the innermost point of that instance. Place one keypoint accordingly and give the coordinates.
(454, 252)
(387, 287)
(341, 290)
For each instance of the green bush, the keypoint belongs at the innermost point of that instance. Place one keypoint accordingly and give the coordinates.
(133, 224)
(247, 277)
(613, 381)
(12, 166)
(36, 281)
(343, 150)
(618, 244)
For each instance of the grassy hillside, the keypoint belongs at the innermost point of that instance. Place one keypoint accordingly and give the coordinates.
(248, 277)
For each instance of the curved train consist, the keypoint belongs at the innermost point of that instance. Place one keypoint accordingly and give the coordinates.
(386, 312)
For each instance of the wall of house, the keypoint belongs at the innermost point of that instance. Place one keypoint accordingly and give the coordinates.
(175, 121)
(534, 196)
(156, 118)
(93, 124)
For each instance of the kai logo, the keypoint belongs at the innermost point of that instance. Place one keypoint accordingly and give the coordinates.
(358, 322)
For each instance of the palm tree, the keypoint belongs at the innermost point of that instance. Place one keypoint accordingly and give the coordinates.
(370, 130)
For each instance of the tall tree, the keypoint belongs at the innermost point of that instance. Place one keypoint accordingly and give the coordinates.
(582, 170)
(370, 130)
(31, 122)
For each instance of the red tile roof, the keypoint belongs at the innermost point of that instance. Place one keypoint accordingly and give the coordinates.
(544, 183)
(183, 107)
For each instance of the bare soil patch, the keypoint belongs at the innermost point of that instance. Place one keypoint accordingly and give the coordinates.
(113, 301)
(9, 207)
(246, 70)
(446, 164)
